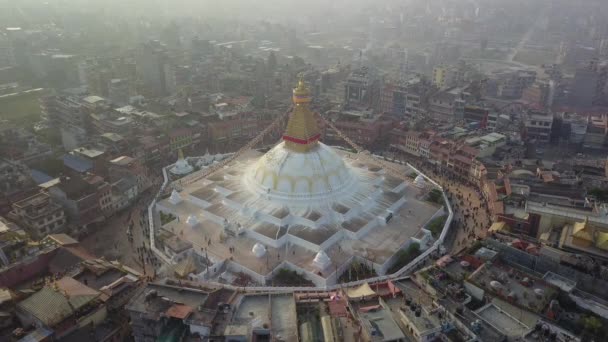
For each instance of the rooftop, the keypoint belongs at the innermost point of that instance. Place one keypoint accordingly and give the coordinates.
(87, 152)
(58, 300)
(501, 320)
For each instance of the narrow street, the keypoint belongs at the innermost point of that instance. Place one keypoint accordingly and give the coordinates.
(124, 237)
(471, 217)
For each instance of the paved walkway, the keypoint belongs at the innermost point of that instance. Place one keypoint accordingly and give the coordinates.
(471, 216)
(125, 237)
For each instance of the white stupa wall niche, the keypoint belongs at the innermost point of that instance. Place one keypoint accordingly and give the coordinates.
(175, 197)
(321, 260)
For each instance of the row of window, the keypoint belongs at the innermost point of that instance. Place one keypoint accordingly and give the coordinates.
(51, 227)
(50, 217)
(540, 123)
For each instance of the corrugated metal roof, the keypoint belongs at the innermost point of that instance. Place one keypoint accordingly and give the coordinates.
(39, 176)
(53, 303)
(76, 163)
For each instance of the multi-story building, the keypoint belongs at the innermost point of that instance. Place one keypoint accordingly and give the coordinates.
(448, 104)
(362, 89)
(476, 114)
(124, 192)
(80, 200)
(39, 214)
(104, 193)
(180, 138)
(111, 121)
(509, 83)
(597, 129)
(363, 127)
(405, 97)
(16, 183)
(67, 115)
(118, 91)
(486, 145)
(447, 76)
(96, 158)
(125, 166)
(539, 95)
(151, 65)
(13, 243)
(588, 86)
(538, 126)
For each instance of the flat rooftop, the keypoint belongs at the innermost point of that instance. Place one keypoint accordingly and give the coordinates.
(511, 284)
(501, 320)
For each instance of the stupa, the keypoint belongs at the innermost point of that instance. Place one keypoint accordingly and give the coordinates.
(302, 201)
(181, 167)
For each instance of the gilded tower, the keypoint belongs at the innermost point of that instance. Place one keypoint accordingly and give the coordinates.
(302, 133)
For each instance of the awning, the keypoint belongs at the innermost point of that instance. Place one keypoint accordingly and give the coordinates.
(497, 227)
(361, 291)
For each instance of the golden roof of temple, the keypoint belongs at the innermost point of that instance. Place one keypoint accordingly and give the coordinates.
(302, 132)
(581, 230)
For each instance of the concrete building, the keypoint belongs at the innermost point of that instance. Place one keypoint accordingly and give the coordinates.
(362, 89)
(448, 104)
(476, 114)
(118, 91)
(14, 243)
(597, 129)
(80, 199)
(448, 76)
(404, 97)
(39, 214)
(67, 115)
(124, 192)
(588, 85)
(538, 126)
(151, 66)
(539, 95)
(486, 145)
(509, 83)
(363, 126)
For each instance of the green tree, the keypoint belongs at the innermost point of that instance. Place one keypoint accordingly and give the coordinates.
(592, 329)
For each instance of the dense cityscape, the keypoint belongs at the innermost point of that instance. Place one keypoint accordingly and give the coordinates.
(304, 171)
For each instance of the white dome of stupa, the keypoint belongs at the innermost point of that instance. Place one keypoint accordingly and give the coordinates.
(300, 169)
(287, 175)
(321, 260)
(175, 197)
(192, 221)
(181, 167)
(258, 250)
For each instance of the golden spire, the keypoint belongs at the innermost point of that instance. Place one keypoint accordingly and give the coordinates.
(180, 154)
(302, 132)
